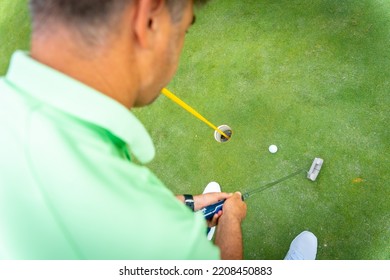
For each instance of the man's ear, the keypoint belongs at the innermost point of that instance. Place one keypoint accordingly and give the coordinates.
(146, 20)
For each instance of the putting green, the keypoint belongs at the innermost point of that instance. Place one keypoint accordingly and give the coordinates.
(309, 77)
(312, 78)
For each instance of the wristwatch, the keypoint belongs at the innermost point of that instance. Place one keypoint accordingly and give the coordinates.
(189, 201)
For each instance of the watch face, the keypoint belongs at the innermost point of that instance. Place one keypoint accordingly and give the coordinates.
(190, 203)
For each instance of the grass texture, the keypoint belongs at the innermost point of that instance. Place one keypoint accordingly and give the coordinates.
(14, 30)
(312, 77)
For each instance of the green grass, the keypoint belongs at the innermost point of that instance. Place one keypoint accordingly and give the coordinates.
(312, 77)
(14, 29)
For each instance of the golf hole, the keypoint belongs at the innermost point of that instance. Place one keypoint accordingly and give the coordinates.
(225, 129)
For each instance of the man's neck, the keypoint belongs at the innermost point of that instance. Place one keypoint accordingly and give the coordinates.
(100, 68)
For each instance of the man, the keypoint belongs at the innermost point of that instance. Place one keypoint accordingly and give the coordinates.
(69, 184)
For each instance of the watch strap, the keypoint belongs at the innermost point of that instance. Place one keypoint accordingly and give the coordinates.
(189, 201)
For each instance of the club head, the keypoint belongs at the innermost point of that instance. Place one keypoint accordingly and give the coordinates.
(315, 169)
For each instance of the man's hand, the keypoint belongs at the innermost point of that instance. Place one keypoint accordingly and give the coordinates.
(204, 200)
(235, 208)
(229, 234)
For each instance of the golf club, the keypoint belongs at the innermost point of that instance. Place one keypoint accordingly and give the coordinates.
(211, 210)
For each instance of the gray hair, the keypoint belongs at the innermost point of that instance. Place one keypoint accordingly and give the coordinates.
(95, 12)
(93, 19)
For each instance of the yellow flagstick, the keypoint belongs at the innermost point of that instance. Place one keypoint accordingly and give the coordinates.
(191, 110)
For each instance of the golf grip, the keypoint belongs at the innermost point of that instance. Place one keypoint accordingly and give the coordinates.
(211, 210)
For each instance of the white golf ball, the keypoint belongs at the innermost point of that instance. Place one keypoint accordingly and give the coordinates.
(273, 149)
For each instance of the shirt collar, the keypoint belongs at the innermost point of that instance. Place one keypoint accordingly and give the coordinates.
(73, 97)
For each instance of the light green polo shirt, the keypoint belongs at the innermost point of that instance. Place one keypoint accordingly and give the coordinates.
(69, 188)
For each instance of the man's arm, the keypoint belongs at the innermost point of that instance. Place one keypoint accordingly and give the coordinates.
(229, 234)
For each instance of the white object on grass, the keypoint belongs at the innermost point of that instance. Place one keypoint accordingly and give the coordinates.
(273, 149)
(212, 187)
(303, 247)
(225, 129)
(315, 169)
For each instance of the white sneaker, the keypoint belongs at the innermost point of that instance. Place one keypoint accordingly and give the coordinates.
(303, 247)
(212, 187)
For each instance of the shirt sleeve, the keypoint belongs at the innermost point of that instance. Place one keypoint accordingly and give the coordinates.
(110, 208)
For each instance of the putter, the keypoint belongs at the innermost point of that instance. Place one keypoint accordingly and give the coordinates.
(211, 210)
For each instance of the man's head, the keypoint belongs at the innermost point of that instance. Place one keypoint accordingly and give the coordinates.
(144, 37)
(89, 15)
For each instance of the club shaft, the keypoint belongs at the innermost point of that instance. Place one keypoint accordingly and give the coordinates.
(211, 210)
(269, 185)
